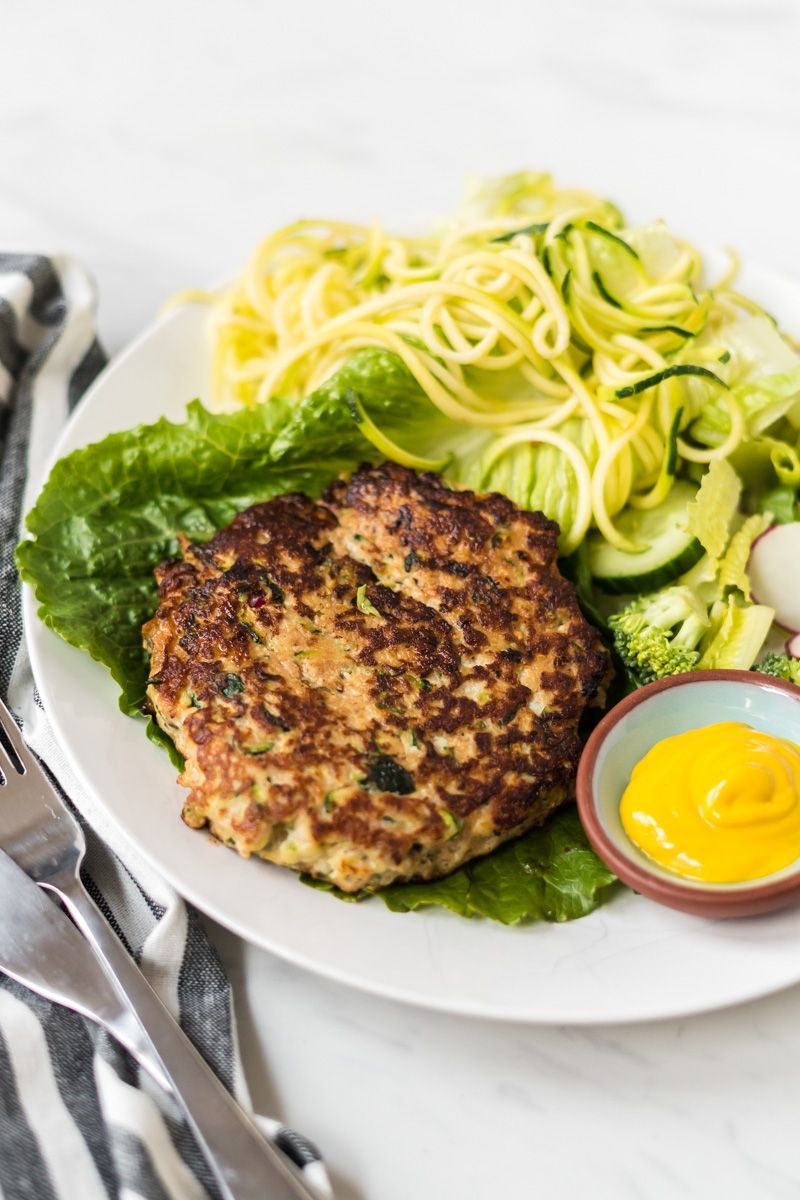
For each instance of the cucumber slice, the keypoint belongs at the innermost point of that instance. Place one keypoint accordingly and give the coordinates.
(671, 549)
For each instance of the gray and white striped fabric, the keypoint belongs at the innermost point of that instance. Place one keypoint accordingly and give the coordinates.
(77, 1119)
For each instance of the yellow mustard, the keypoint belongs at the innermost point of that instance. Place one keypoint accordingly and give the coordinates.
(721, 804)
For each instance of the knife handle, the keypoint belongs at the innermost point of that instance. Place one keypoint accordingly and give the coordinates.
(245, 1165)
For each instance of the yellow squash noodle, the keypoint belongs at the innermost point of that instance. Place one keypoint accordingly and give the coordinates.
(530, 313)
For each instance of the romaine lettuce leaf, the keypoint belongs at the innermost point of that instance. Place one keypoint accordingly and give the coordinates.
(736, 636)
(323, 422)
(733, 566)
(548, 874)
(711, 512)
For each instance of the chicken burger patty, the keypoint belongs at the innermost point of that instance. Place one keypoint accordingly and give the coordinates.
(375, 686)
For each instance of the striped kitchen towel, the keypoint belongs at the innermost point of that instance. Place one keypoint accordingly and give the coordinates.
(78, 1121)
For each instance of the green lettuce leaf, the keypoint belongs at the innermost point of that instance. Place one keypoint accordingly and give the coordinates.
(549, 874)
(711, 512)
(736, 637)
(324, 422)
(733, 565)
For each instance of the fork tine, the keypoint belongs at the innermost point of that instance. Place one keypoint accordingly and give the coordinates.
(11, 730)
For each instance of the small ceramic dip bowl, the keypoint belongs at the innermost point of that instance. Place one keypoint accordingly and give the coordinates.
(660, 710)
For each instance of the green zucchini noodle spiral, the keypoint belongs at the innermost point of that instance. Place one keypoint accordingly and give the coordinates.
(533, 314)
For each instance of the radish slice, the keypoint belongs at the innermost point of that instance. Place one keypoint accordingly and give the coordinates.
(774, 572)
(793, 646)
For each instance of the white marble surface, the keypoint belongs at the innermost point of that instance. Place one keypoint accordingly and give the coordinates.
(157, 142)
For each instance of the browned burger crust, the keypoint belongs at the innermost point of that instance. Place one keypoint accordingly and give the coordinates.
(376, 686)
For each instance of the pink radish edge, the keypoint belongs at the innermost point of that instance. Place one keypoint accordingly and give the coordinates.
(774, 571)
(753, 596)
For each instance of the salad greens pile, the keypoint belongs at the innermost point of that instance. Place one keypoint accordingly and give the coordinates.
(704, 619)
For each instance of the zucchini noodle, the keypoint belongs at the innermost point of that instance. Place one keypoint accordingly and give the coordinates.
(524, 316)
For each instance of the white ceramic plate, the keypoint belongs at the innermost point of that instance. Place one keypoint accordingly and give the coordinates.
(630, 960)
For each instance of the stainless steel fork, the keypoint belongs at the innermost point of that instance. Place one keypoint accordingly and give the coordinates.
(38, 832)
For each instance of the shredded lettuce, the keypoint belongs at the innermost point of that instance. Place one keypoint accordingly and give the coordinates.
(763, 405)
(737, 635)
(711, 512)
(534, 475)
(763, 374)
(733, 567)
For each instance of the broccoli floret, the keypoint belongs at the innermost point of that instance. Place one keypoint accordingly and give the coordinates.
(659, 635)
(781, 666)
(675, 631)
